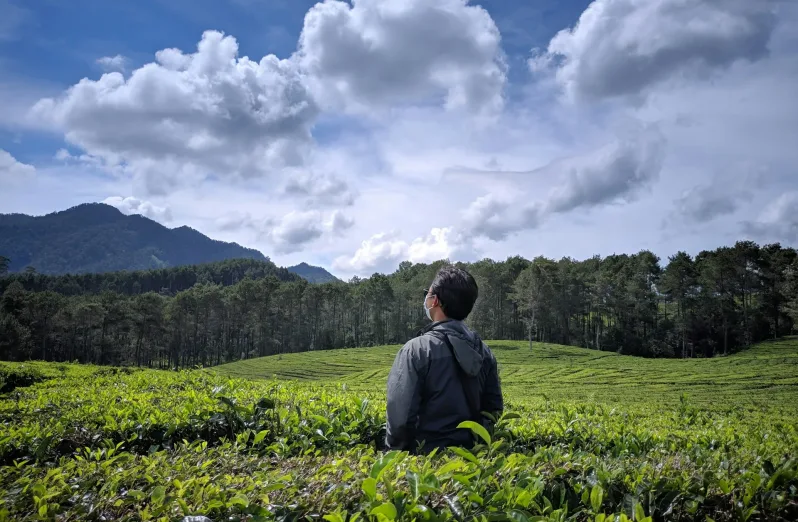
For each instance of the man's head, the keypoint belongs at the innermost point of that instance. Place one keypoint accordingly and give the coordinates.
(451, 295)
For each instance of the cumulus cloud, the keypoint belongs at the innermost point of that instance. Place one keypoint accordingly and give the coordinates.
(320, 189)
(495, 217)
(778, 221)
(618, 172)
(703, 203)
(187, 117)
(387, 52)
(112, 63)
(131, 205)
(236, 221)
(291, 232)
(384, 251)
(12, 170)
(340, 223)
(294, 230)
(622, 47)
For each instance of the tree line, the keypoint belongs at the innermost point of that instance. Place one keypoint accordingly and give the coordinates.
(717, 302)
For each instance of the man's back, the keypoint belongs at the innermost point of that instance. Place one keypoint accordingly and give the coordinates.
(426, 394)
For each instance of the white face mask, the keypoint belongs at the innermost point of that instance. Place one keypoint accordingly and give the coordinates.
(426, 310)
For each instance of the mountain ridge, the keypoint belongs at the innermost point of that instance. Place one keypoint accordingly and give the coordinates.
(99, 238)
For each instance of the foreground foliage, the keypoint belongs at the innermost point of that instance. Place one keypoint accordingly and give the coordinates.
(94, 443)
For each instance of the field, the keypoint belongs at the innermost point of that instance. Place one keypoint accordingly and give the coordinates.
(587, 436)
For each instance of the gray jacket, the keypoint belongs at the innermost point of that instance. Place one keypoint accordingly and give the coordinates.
(426, 400)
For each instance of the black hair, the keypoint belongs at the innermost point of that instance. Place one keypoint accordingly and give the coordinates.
(456, 290)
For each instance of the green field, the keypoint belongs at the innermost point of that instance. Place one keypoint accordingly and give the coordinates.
(766, 376)
(588, 436)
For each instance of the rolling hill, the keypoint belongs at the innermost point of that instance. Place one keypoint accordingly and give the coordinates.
(767, 372)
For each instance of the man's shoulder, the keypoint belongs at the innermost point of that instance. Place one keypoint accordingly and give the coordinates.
(423, 341)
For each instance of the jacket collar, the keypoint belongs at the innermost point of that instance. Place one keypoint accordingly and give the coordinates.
(433, 325)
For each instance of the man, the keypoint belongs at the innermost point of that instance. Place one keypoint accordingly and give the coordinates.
(444, 376)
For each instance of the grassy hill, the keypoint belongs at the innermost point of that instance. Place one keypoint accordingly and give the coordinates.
(589, 436)
(767, 372)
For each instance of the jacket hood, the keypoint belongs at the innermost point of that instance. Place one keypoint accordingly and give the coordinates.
(467, 347)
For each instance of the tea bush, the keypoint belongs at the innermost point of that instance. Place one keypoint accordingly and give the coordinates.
(90, 443)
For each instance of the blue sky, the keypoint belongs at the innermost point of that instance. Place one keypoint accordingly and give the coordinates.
(409, 129)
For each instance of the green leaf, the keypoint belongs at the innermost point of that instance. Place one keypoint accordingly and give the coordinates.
(600, 517)
(333, 517)
(412, 481)
(239, 500)
(596, 497)
(640, 513)
(451, 466)
(215, 504)
(260, 436)
(524, 498)
(724, 486)
(320, 419)
(425, 512)
(386, 510)
(465, 454)
(517, 516)
(370, 488)
(382, 463)
(477, 429)
(158, 494)
(43, 510)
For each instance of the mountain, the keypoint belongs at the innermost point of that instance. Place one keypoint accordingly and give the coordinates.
(314, 274)
(95, 237)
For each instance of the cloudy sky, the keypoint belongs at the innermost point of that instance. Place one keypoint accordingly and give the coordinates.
(357, 135)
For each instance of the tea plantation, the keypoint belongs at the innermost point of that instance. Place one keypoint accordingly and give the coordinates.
(587, 436)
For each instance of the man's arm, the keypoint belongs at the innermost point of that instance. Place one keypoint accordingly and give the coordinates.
(492, 400)
(405, 384)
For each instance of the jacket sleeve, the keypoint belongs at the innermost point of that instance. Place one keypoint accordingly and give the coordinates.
(492, 400)
(405, 385)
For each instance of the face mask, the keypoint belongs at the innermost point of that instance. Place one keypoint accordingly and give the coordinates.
(426, 310)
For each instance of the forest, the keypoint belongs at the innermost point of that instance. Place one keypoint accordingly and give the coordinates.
(715, 303)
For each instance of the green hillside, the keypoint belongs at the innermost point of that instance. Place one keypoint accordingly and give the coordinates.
(767, 372)
(588, 436)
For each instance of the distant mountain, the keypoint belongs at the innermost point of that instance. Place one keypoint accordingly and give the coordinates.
(94, 238)
(314, 274)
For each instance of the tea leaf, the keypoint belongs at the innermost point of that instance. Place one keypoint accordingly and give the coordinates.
(477, 429)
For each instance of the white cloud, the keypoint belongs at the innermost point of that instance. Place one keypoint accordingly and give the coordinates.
(320, 189)
(236, 221)
(389, 52)
(617, 172)
(188, 117)
(294, 230)
(130, 205)
(384, 251)
(13, 171)
(545, 177)
(703, 203)
(112, 63)
(778, 221)
(623, 47)
(339, 223)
